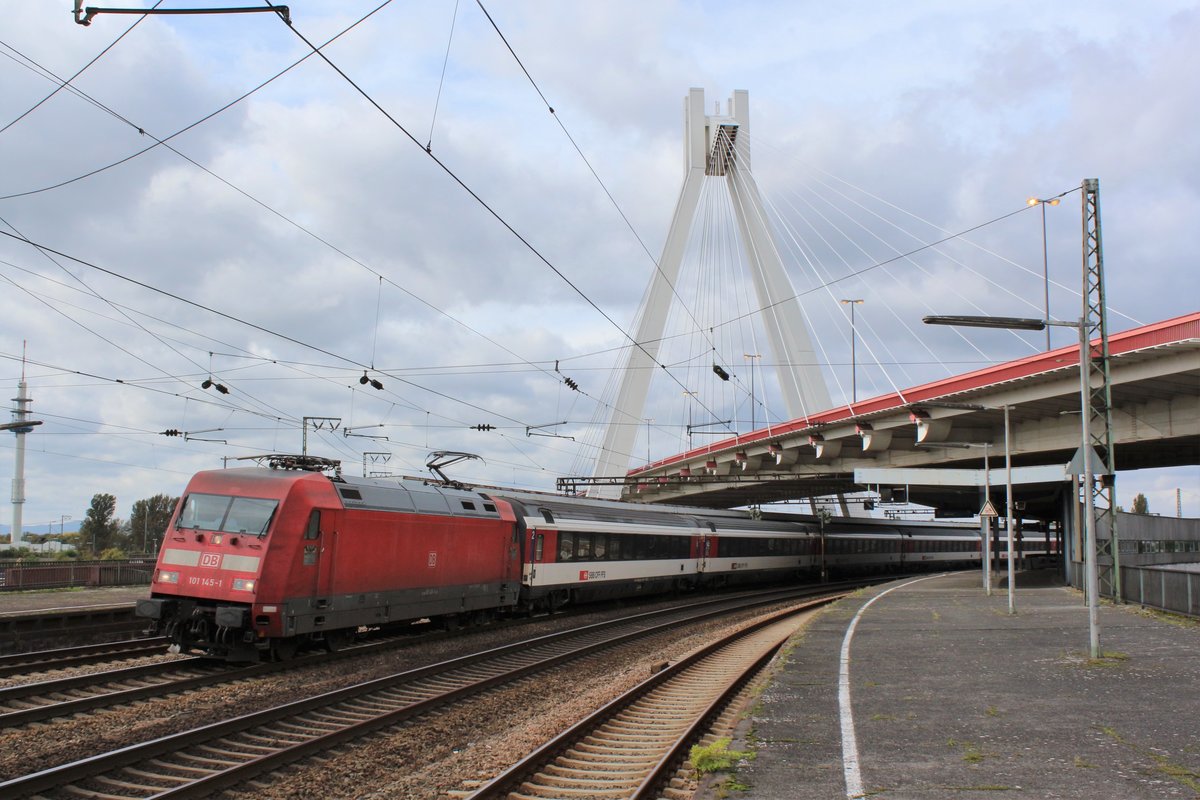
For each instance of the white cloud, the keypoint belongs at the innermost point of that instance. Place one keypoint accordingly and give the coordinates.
(956, 113)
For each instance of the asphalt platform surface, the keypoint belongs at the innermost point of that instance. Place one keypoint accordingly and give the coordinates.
(950, 696)
(36, 602)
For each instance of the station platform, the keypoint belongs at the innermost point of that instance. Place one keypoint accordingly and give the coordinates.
(43, 601)
(950, 696)
(38, 620)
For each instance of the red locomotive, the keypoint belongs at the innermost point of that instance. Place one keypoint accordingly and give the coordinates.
(258, 562)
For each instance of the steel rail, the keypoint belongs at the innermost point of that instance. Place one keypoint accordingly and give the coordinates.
(62, 658)
(112, 687)
(333, 718)
(521, 777)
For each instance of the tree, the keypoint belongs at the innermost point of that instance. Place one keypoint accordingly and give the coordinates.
(1140, 504)
(148, 520)
(99, 530)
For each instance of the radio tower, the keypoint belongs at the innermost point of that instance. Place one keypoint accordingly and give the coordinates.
(20, 425)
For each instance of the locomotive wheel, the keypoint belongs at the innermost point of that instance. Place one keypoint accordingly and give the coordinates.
(336, 640)
(284, 649)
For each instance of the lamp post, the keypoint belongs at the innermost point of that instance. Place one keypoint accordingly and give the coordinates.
(752, 357)
(1053, 201)
(1008, 517)
(853, 365)
(62, 528)
(1091, 574)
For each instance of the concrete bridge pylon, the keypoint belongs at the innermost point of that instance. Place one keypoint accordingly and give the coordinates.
(716, 147)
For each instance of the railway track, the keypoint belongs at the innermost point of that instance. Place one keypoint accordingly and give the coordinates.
(34, 702)
(82, 655)
(201, 761)
(60, 697)
(632, 748)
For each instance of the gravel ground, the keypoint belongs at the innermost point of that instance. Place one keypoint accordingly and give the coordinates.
(467, 745)
(464, 744)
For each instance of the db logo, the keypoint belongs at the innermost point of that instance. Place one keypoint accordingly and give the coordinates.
(210, 560)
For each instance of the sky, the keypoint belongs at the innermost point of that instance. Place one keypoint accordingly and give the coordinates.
(412, 210)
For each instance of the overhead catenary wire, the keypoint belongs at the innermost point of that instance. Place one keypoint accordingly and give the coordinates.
(64, 84)
(239, 320)
(479, 199)
(317, 51)
(318, 238)
(92, 292)
(265, 330)
(442, 80)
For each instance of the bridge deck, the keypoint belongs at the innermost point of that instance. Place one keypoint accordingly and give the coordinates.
(951, 697)
(1156, 423)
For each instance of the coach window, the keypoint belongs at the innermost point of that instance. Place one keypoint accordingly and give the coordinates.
(566, 546)
(614, 546)
(313, 530)
(583, 546)
(539, 543)
(599, 546)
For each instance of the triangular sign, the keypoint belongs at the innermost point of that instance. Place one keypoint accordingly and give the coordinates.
(1077, 464)
(988, 510)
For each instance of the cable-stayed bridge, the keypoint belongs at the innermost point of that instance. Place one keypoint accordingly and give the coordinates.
(1136, 405)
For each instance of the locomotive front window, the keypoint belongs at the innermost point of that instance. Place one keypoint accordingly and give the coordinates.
(214, 512)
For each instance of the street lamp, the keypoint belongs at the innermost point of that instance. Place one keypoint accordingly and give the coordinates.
(1091, 579)
(1053, 201)
(853, 368)
(648, 421)
(1008, 517)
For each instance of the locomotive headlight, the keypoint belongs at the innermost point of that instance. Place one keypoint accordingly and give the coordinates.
(243, 585)
(165, 576)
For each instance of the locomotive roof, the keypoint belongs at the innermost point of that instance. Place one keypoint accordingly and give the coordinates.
(407, 494)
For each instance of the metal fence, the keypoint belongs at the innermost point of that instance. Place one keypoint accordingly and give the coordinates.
(1164, 588)
(1160, 562)
(19, 575)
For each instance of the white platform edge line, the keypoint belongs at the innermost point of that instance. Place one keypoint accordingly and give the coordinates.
(850, 764)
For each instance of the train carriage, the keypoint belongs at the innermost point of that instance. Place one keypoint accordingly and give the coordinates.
(258, 562)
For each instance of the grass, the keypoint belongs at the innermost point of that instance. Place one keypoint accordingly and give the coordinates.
(1168, 617)
(1108, 659)
(1184, 776)
(1188, 777)
(717, 757)
(971, 752)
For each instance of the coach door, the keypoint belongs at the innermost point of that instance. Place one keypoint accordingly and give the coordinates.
(706, 547)
(318, 546)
